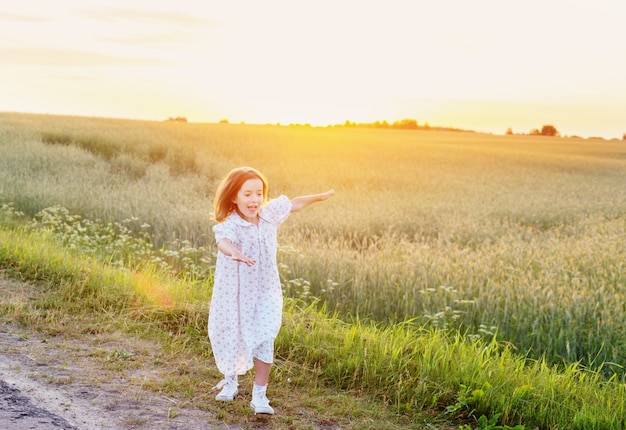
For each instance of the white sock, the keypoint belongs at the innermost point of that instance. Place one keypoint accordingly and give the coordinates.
(231, 379)
(259, 389)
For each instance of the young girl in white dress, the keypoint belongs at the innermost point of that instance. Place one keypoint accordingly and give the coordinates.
(246, 303)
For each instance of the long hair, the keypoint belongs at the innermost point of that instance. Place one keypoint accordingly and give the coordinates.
(223, 203)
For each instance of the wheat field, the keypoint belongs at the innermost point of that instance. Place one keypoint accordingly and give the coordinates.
(518, 237)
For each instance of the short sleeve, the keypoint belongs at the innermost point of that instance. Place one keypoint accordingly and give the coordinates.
(223, 230)
(277, 210)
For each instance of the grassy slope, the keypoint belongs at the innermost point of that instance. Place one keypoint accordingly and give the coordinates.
(75, 295)
(354, 375)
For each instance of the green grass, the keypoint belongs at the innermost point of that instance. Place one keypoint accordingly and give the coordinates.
(400, 373)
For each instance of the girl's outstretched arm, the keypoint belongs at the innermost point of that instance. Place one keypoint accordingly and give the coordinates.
(299, 203)
(227, 247)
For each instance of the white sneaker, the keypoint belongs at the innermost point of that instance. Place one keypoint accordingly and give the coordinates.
(229, 390)
(261, 404)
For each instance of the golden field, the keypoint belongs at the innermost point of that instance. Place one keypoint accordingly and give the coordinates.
(519, 237)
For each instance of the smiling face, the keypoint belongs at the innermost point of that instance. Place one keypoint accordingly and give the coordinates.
(249, 200)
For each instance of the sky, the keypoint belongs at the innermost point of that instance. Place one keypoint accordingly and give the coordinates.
(484, 65)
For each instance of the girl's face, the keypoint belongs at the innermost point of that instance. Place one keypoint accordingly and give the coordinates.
(249, 199)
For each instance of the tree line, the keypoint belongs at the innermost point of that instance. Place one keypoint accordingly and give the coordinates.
(412, 124)
(546, 130)
(403, 124)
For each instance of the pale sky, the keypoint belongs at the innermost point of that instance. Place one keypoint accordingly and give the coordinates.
(484, 65)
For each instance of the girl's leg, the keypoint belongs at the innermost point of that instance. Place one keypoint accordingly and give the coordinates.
(261, 372)
(260, 403)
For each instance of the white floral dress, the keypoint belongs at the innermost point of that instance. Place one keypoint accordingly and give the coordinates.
(247, 301)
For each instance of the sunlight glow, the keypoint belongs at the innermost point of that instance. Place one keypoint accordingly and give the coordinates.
(155, 293)
(324, 62)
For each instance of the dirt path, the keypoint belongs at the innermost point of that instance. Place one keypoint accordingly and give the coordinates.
(18, 412)
(45, 385)
(56, 383)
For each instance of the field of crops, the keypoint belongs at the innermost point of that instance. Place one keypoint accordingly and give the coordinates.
(519, 236)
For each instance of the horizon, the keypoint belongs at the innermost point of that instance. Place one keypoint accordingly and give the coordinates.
(485, 66)
(383, 124)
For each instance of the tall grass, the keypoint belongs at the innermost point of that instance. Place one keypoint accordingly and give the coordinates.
(520, 237)
(416, 372)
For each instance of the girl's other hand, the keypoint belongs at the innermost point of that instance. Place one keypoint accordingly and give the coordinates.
(238, 256)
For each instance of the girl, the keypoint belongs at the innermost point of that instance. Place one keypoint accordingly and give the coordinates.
(247, 301)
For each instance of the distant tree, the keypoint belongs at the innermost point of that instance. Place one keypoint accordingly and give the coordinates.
(549, 130)
(535, 132)
(177, 119)
(509, 131)
(223, 121)
(405, 124)
(624, 136)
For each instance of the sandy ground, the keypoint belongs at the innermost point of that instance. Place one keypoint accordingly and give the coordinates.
(55, 383)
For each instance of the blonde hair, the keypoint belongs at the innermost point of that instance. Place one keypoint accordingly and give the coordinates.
(223, 203)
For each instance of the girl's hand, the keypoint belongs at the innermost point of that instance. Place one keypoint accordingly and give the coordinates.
(328, 194)
(301, 202)
(227, 247)
(238, 256)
